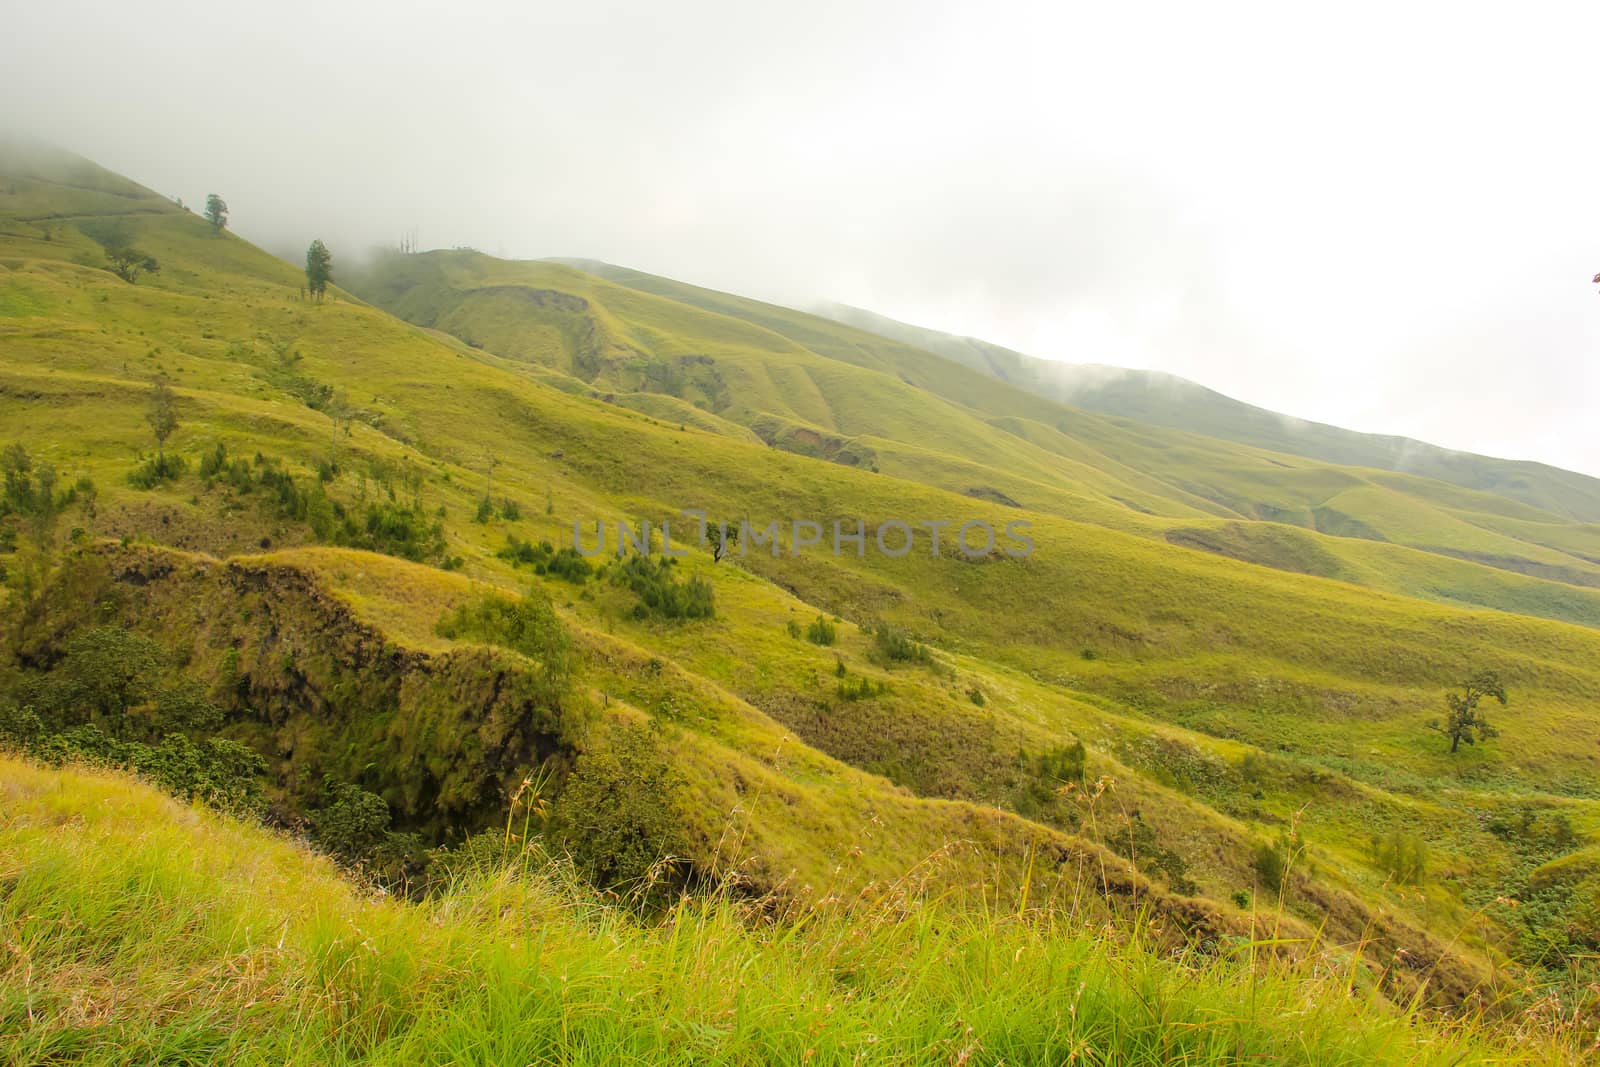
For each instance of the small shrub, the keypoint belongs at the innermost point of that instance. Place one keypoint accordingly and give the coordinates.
(214, 462)
(353, 824)
(853, 689)
(822, 632)
(896, 646)
(389, 528)
(1404, 856)
(156, 470)
(1271, 865)
(1064, 763)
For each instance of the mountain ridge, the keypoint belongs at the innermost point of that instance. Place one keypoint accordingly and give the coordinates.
(1166, 399)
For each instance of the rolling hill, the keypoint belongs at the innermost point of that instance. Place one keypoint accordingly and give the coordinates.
(1204, 694)
(808, 385)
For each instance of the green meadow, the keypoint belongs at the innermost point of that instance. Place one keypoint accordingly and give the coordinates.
(1163, 790)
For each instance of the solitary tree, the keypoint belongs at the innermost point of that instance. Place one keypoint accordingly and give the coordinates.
(319, 269)
(721, 537)
(216, 212)
(127, 262)
(162, 417)
(1465, 722)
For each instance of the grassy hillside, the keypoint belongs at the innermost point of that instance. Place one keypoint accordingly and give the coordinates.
(155, 932)
(1166, 400)
(1251, 698)
(1227, 473)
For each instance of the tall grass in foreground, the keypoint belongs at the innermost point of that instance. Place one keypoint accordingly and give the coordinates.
(134, 929)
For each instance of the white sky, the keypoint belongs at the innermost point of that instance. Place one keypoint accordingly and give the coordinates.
(1382, 215)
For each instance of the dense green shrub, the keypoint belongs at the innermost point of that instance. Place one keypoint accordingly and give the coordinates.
(821, 631)
(104, 702)
(156, 470)
(1042, 776)
(660, 593)
(354, 822)
(1062, 764)
(29, 489)
(566, 563)
(1271, 863)
(620, 815)
(894, 645)
(390, 528)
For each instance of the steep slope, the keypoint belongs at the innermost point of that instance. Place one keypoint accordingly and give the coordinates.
(1227, 709)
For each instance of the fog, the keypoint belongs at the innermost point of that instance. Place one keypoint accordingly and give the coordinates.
(1383, 216)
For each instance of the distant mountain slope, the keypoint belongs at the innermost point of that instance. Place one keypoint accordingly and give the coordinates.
(1167, 400)
(1185, 469)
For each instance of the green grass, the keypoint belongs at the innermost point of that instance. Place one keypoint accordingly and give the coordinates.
(1175, 666)
(136, 930)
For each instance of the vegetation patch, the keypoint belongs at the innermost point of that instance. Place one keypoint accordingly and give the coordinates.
(654, 580)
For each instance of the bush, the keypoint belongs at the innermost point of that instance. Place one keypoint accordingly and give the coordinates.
(896, 646)
(103, 672)
(822, 632)
(660, 593)
(1041, 777)
(214, 462)
(104, 703)
(527, 625)
(1063, 764)
(217, 771)
(1271, 865)
(852, 689)
(1403, 856)
(389, 528)
(353, 824)
(567, 563)
(156, 470)
(619, 813)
